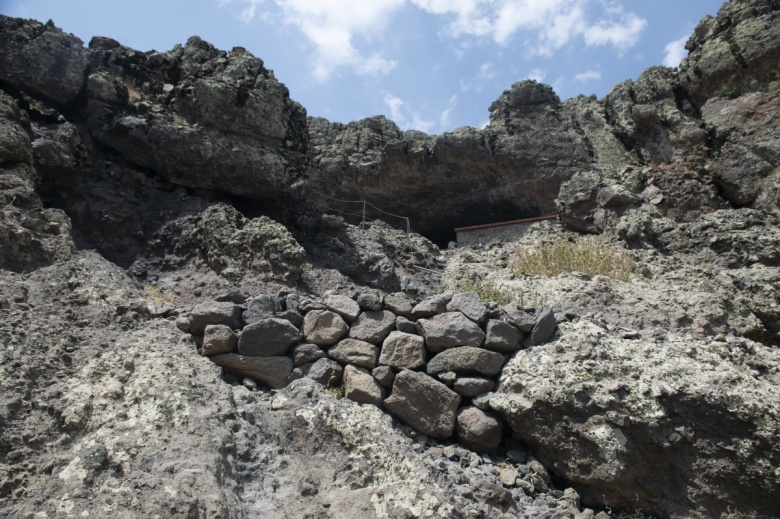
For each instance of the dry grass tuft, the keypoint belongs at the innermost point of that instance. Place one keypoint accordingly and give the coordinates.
(590, 255)
(133, 90)
(158, 296)
(487, 291)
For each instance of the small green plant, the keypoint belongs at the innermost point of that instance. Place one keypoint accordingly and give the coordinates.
(336, 392)
(727, 91)
(487, 291)
(590, 255)
(774, 86)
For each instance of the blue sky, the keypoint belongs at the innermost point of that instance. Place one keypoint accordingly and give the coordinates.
(431, 65)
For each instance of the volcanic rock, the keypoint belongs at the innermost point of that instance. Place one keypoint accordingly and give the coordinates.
(423, 403)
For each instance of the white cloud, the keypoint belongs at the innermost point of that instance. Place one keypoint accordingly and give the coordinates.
(486, 71)
(551, 24)
(405, 119)
(248, 13)
(471, 16)
(394, 104)
(444, 118)
(588, 75)
(622, 34)
(675, 52)
(336, 28)
(537, 74)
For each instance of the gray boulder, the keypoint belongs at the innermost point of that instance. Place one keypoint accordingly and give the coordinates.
(403, 351)
(483, 401)
(402, 324)
(473, 386)
(261, 306)
(431, 306)
(307, 353)
(519, 318)
(502, 337)
(479, 430)
(325, 371)
(448, 330)
(373, 327)
(470, 305)
(399, 304)
(346, 307)
(466, 360)
(323, 328)
(543, 328)
(293, 316)
(268, 338)
(423, 403)
(659, 423)
(214, 312)
(384, 375)
(370, 301)
(361, 387)
(270, 371)
(355, 352)
(218, 338)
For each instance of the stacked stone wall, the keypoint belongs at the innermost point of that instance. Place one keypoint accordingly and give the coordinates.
(433, 364)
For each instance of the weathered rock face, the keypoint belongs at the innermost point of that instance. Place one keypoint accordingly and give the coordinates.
(31, 235)
(735, 52)
(534, 143)
(529, 148)
(141, 115)
(374, 254)
(223, 240)
(42, 60)
(249, 138)
(155, 108)
(640, 424)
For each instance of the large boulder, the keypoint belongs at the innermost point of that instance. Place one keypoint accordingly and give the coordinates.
(345, 306)
(479, 430)
(403, 351)
(373, 327)
(227, 242)
(323, 328)
(262, 306)
(268, 338)
(423, 403)
(470, 305)
(502, 337)
(676, 427)
(214, 312)
(361, 387)
(355, 352)
(467, 360)
(270, 371)
(449, 330)
(218, 338)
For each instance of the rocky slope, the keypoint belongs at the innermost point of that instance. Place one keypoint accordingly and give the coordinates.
(196, 180)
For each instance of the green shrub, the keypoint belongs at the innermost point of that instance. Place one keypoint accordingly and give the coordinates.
(487, 291)
(729, 92)
(590, 255)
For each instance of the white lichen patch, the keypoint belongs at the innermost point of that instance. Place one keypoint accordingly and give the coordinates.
(74, 470)
(396, 478)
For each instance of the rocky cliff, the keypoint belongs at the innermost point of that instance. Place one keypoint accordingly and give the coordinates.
(514, 167)
(159, 209)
